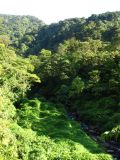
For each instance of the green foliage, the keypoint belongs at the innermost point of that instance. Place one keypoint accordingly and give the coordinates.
(114, 134)
(19, 30)
(77, 87)
(4, 40)
(78, 62)
(86, 77)
(15, 79)
(98, 27)
(15, 74)
(49, 132)
(29, 35)
(53, 130)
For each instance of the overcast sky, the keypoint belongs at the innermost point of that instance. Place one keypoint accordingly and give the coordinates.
(54, 10)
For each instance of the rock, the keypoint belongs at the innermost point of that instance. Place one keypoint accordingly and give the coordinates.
(105, 144)
(92, 131)
(118, 149)
(110, 151)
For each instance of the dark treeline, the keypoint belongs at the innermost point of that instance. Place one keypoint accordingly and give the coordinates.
(30, 35)
(102, 27)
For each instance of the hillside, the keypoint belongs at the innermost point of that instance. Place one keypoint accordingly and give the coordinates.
(19, 31)
(100, 27)
(55, 79)
(30, 35)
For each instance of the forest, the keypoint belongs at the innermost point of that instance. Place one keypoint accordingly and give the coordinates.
(60, 88)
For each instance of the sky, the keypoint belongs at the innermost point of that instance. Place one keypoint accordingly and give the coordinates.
(51, 11)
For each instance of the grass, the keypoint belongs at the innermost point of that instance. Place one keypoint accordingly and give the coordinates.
(57, 136)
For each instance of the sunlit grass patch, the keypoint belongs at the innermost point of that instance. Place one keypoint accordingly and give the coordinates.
(57, 137)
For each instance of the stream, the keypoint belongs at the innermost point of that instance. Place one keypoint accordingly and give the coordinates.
(110, 147)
